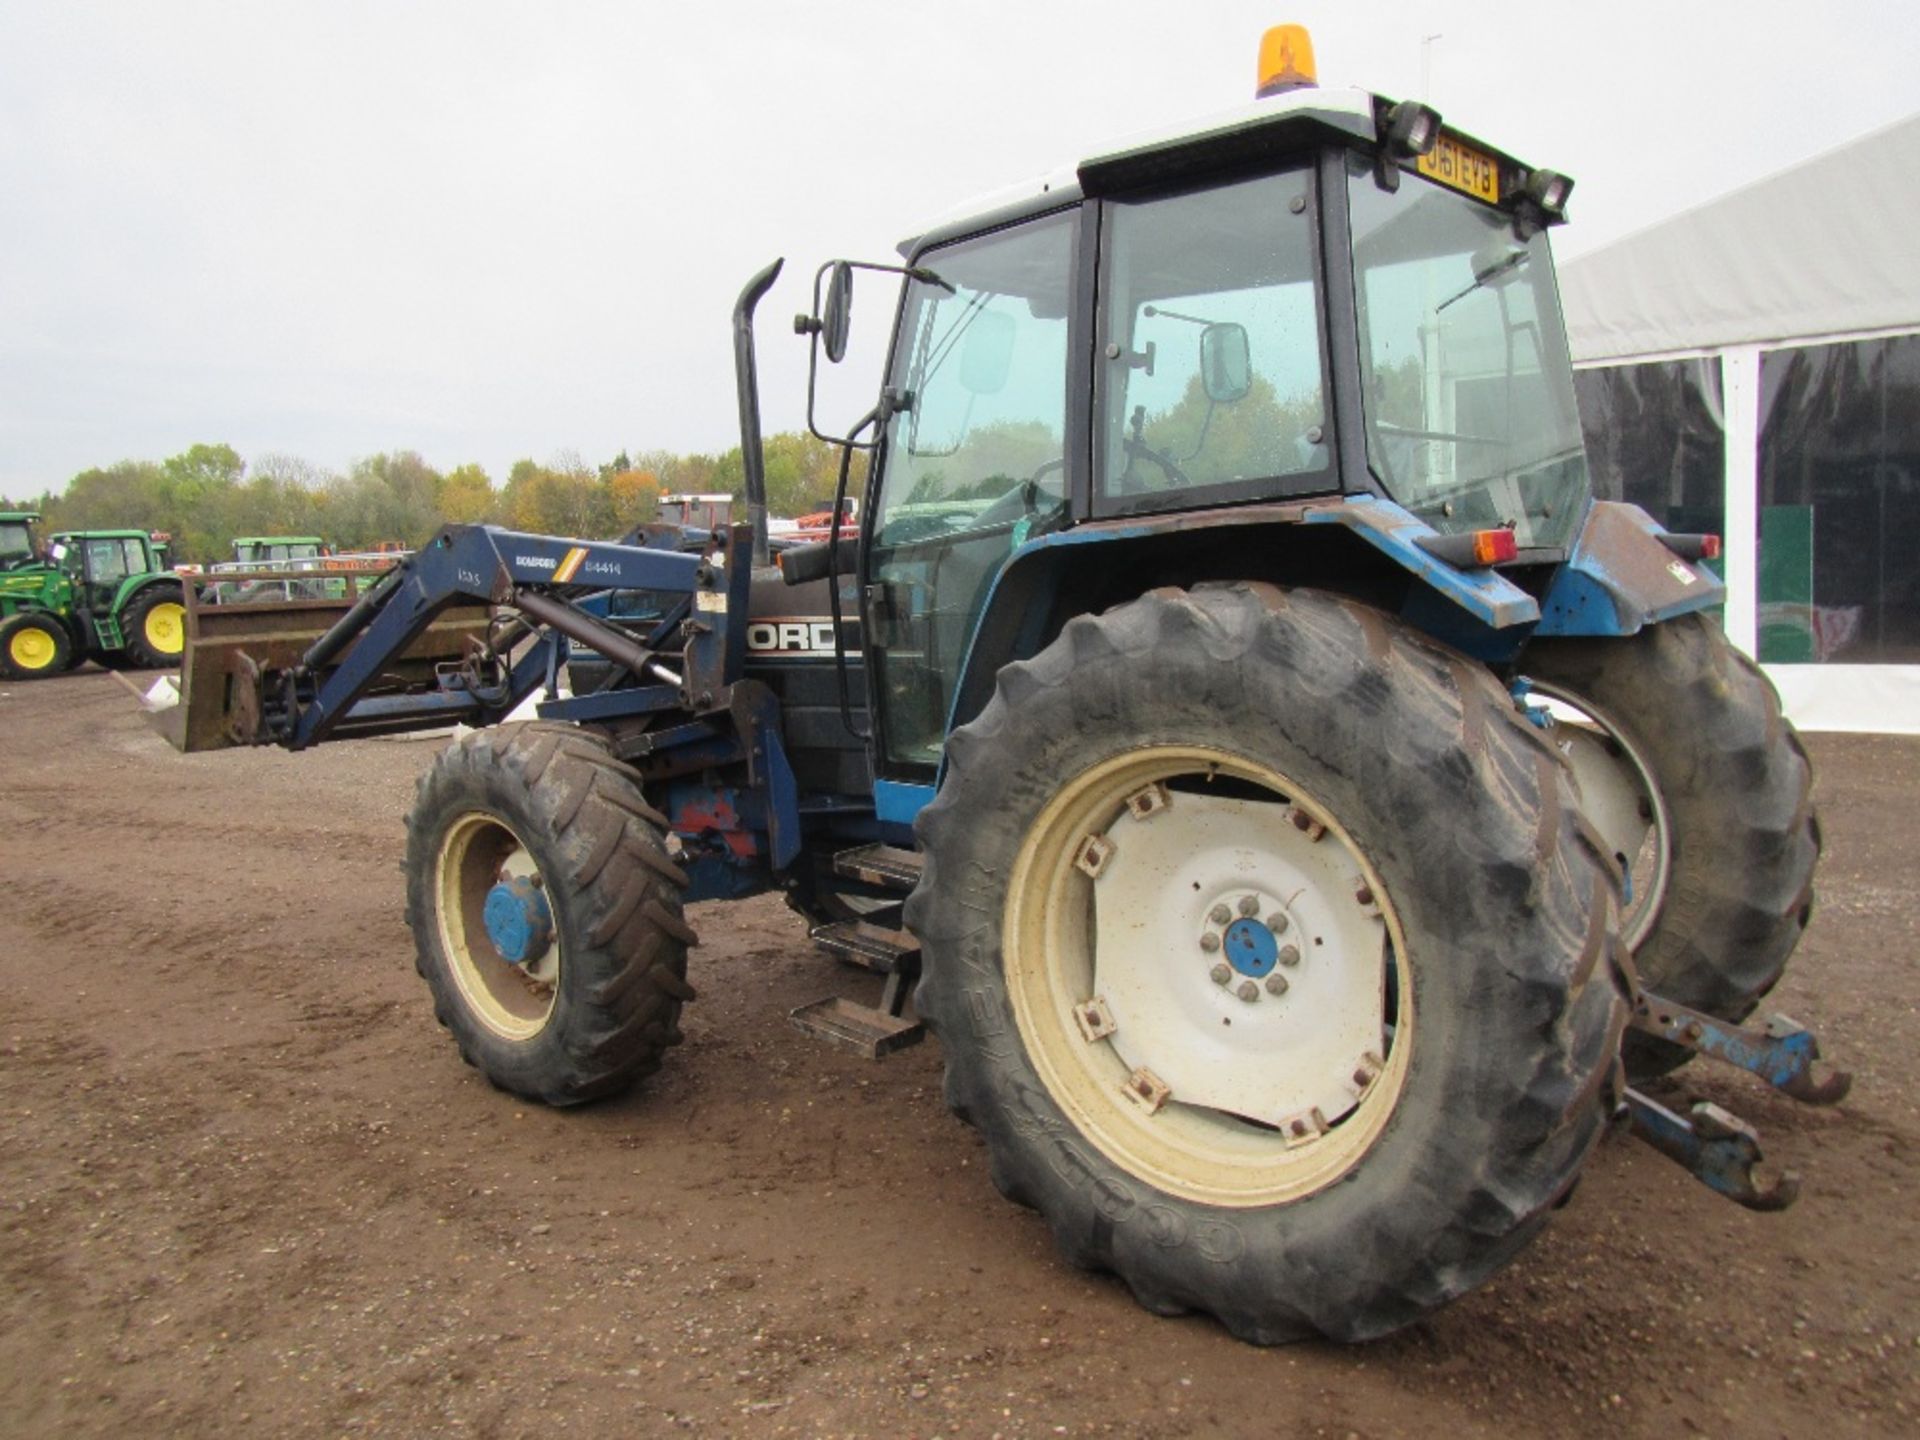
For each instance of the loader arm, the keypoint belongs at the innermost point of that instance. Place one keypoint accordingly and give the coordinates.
(464, 629)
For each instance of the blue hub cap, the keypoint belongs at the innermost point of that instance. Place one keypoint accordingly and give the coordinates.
(519, 923)
(1251, 948)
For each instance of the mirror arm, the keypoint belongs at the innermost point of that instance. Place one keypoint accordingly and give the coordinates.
(747, 383)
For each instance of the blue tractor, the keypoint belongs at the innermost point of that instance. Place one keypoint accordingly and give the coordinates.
(1301, 811)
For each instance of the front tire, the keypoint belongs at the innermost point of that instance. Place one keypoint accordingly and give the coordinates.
(33, 647)
(1675, 721)
(546, 912)
(1337, 1155)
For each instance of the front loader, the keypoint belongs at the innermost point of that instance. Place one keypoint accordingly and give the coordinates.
(1301, 811)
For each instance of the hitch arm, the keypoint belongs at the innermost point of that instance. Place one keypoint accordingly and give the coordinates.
(1719, 1149)
(1784, 1054)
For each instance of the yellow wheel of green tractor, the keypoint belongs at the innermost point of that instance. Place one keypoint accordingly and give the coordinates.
(155, 627)
(32, 646)
(166, 628)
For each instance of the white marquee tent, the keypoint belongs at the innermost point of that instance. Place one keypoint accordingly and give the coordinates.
(1789, 313)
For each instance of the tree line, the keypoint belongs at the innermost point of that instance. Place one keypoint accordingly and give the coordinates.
(208, 494)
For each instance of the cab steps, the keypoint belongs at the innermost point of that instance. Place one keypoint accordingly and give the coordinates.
(870, 1030)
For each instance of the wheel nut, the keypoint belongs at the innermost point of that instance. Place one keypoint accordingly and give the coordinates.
(1221, 973)
(1220, 915)
(1209, 942)
(1249, 905)
(1363, 896)
(1276, 984)
(1289, 955)
(1248, 990)
(1277, 922)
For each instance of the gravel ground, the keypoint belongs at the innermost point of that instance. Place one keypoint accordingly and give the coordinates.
(248, 1188)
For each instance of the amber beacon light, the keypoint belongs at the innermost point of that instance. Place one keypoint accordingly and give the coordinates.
(1286, 61)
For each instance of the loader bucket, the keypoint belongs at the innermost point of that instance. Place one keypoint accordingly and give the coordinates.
(233, 647)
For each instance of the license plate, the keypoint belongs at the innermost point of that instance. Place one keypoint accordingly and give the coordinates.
(1462, 168)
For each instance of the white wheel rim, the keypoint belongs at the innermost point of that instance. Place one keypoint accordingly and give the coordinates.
(1619, 797)
(513, 1001)
(1174, 1077)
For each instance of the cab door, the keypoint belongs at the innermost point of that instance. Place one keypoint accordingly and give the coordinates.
(975, 464)
(106, 563)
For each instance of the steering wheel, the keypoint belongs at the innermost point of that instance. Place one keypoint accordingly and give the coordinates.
(1030, 487)
(1173, 477)
(1027, 494)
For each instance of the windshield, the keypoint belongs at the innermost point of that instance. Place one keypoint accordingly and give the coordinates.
(16, 544)
(1469, 391)
(983, 352)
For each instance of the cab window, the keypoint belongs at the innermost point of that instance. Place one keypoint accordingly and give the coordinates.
(984, 355)
(972, 468)
(1211, 364)
(111, 560)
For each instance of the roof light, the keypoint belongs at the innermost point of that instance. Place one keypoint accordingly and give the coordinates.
(1412, 128)
(1549, 190)
(1286, 61)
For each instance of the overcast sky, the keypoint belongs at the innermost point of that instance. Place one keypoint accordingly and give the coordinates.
(485, 230)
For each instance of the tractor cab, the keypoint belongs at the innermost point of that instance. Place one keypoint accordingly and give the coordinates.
(1325, 300)
(100, 562)
(19, 548)
(277, 549)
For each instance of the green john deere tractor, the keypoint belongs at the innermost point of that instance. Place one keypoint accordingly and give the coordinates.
(103, 595)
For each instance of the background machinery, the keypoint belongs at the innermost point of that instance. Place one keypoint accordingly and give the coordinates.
(1302, 812)
(102, 595)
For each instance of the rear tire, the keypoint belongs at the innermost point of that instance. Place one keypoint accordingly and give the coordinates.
(1699, 724)
(34, 646)
(154, 627)
(1460, 922)
(592, 1004)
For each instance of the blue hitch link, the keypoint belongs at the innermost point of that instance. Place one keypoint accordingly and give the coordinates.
(1784, 1054)
(1719, 1149)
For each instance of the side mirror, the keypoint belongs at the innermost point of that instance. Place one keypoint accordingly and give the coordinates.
(837, 313)
(1226, 364)
(987, 355)
(1498, 261)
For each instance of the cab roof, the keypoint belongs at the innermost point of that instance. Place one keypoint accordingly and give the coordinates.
(1281, 124)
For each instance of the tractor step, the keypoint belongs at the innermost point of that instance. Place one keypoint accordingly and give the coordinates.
(863, 1028)
(884, 865)
(878, 947)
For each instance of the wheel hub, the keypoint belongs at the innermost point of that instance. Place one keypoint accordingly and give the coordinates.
(1241, 958)
(1252, 948)
(518, 919)
(31, 649)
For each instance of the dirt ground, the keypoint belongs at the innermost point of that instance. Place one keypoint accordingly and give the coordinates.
(248, 1188)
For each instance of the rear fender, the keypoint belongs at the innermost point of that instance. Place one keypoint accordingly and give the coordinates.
(1372, 557)
(1622, 576)
(132, 588)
